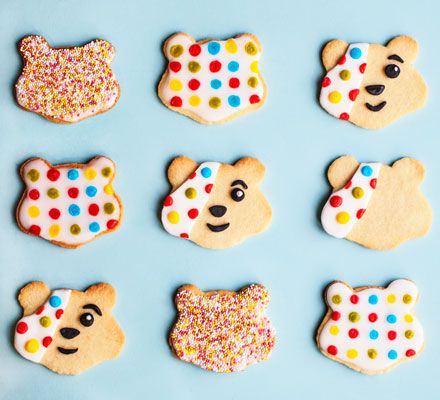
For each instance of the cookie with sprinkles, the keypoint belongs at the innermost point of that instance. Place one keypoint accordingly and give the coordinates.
(68, 84)
(66, 330)
(222, 331)
(69, 204)
(371, 329)
(212, 81)
(376, 205)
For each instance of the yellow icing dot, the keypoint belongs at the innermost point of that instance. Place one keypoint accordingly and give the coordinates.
(108, 189)
(343, 217)
(193, 66)
(407, 298)
(252, 82)
(408, 318)
(334, 330)
(254, 66)
(33, 175)
(90, 174)
(354, 316)
(372, 353)
(75, 229)
(345, 74)
(176, 50)
(391, 298)
(106, 172)
(194, 101)
(32, 346)
(173, 217)
(191, 193)
(33, 211)
(336, 299)
(352, 353)
(54, 230)
(215, 102)
(409, 334)
(251, 48)
(53, 193)
(334, 97)
(45, 322)
(357, 192)
(231, 46)
(175, 85)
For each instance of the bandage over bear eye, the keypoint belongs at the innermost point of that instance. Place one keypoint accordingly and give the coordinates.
(342, 84)
(347, 205)
(34, 333)
(182, 207)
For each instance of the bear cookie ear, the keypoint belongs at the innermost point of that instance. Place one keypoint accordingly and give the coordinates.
(179, 170)
(341, 170)
(30, 46)
(332, 53)
(104, 293)
(32, 296)
(252, 168)
(405, 47)
(411, 169)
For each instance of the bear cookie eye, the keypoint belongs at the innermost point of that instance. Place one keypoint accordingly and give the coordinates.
(392, 71)
(237, 194)
(86, 319)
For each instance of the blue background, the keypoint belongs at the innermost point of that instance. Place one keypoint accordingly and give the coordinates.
(291, 134)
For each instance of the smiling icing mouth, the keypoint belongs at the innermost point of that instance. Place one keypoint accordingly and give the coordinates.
(377, 107)
(218, 228)
(67, 351)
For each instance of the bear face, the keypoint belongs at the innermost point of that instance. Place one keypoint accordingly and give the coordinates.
(68, 331)
(222, 331)
(371, 329)
(212, 81)
(66, 85)
(376, 205)
(216, 205)
(69, 204)
(372, 85)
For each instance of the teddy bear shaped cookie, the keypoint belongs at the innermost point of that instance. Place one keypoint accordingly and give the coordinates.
(212, 81)
(66, 85)
(66, 330)
(372, 85)
(215, 205)
(371, 329)
(222, 331)
(69, 204)
(376, 205)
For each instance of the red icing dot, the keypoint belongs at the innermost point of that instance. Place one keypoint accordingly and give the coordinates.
(208, 188)
(54, 213)
(353, 333)
(35, 230)
(193, 213)
(184, 236)
(332, 350)
(372, 317)
(326, 82)
(362, 68)
(215, 66)
(53, 174)
(344, 116)
(40, 310)
(176, 101)
(168, 201)
(192, 176)
(353, 94)
(348, 185)
(342, 60)
(336, 315)
(194, 84)
(34, 194)
(254, 99)
(360, 213)
(111, 224)
(234, 83)
(175, 66)
(73, 193)
(47, 341)
(392, 335)
(194, 50)
(335, 201)
(22, 327)
(93, 209)
(354, 298)
(59, 313)
(410, 353)
(373, 183)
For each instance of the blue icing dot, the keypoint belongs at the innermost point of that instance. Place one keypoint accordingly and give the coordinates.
(391, 319)
(373, 299)
(356, 53)
(374, 334)
(206, 172)
(94, 227)
(213, 48)
(72, 174)
(55, 301)
(216, 84)
(233, 66)
(367, 170)
(234, 101)
(91, 191)
(74, 210)
(392, 354)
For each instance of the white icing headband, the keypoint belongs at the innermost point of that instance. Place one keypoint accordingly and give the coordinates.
(34, 333)
(182, 207)
(347, 205)
(342, 83)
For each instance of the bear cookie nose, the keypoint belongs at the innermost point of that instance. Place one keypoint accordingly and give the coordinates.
(375, 90)
(218, 211)
(69, 333)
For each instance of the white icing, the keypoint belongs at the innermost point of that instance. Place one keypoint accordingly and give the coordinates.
(345, 87)
(383, 345)
(350, 205)
(51, 316)
(205, 92)
(85, 220)
(192, 195)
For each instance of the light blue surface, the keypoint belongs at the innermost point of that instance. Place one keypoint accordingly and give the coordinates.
(291, 134)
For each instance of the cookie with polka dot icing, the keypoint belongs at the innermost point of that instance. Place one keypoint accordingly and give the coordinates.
(215, 205)
(69, 204)
(212, 81)
(376, 205)
(371, 329)
(66, 330)
(372, 85)
(222, 331)
(68, 84)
